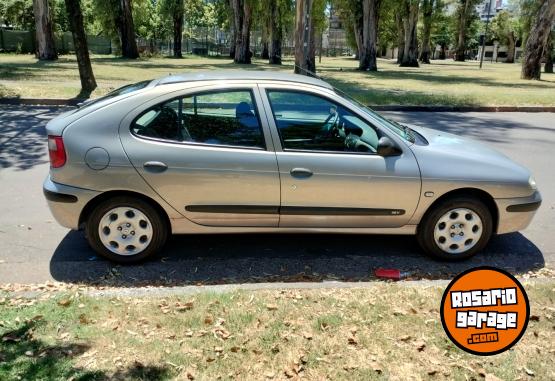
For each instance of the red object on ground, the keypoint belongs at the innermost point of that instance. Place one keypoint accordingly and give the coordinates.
(394, 274)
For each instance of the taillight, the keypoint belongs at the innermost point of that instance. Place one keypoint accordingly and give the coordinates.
(56, 151)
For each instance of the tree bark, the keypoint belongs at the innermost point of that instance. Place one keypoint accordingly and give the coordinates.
(358, 28)
(242, 17)
(178, 15)
(531, 64)
(511, 47)
(46, 48)
(427, 13)
(548, 68)
(305, 61)
(443, 52)
(460, 52)
(75, 18)
(400, 37)
(410, 54)
(368, 53)
(276, 33)
(126, 30)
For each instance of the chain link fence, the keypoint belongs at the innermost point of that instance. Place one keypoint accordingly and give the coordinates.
(23, 41)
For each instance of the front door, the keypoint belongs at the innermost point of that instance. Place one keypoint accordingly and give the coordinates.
(330, 173)
(207, 155)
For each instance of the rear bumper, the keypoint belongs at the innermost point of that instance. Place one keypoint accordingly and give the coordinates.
(516, 213)
(66, 202)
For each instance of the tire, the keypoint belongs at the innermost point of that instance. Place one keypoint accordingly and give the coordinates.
(441, 235)
(126, 229)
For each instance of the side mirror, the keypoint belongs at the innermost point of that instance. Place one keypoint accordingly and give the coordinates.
(386, 147)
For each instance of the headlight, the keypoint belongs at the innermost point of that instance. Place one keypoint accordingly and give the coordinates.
(532, 183)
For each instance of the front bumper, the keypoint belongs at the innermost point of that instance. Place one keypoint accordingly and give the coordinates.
(66, 202)
(516, 213)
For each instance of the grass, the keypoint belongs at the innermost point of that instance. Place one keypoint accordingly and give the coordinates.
(388, 331)
(441, 83)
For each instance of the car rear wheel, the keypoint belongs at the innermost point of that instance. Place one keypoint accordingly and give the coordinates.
(456, 229)
(126, 230)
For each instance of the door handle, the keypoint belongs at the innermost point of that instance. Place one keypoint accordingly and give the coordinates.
(155, 166)
(301, 173)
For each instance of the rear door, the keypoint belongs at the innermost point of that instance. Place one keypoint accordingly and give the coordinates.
(208, 155)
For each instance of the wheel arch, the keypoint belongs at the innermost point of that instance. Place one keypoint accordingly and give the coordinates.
(89, 207)
(479, 194)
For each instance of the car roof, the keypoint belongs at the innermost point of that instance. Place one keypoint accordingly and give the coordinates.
(256, 75)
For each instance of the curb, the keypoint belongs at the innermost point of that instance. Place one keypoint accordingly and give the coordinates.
(408, 108)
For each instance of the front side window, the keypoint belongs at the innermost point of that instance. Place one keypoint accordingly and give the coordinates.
(226, 118)
(310, 122)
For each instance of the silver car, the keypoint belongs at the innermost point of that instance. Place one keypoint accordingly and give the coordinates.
(247, 151)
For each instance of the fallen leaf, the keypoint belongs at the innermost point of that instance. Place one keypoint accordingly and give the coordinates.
(234, 349)
(534, 318)
(420, 345)
(271, 307)
(64, 302)
(529, 372)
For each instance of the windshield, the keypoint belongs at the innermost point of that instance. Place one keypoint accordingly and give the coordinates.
(122, 90)
(399, 129)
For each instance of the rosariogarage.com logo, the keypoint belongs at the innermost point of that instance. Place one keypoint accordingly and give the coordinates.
(485, 311)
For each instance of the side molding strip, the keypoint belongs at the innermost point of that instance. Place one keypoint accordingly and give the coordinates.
(293, 210)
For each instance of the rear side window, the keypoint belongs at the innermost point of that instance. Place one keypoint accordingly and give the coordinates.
(227, 118)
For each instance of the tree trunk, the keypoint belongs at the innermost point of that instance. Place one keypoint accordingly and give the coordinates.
(305, 60)
(276, 33)
(242, 17)
(531, 64)
(511, 46)
(178, 29)
(358, 28)
(443, 52)
(46, 48)
(410, 55)
(75, 18)
(427, 13)
(460, 52)
(400, 37)
(548, 52)
(265, 51)
(126, 30)
(370, 13)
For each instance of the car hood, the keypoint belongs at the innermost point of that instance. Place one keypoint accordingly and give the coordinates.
(449, 156)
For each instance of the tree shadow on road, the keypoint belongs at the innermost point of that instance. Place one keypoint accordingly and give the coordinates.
(256, 258)
(23, 136)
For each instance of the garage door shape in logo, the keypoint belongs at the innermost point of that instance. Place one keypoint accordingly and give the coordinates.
(485, 311)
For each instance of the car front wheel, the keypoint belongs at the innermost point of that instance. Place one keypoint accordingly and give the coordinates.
(125, 230)
(456, 229)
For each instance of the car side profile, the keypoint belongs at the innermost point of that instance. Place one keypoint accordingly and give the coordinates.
(249, 151)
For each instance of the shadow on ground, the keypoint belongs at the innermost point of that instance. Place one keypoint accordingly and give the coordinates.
(255, 258)
(23, 136)
(24, 357)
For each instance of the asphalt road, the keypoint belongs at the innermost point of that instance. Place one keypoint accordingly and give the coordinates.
(34, 249)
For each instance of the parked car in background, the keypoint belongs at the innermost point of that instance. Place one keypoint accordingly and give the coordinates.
(247, 151)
